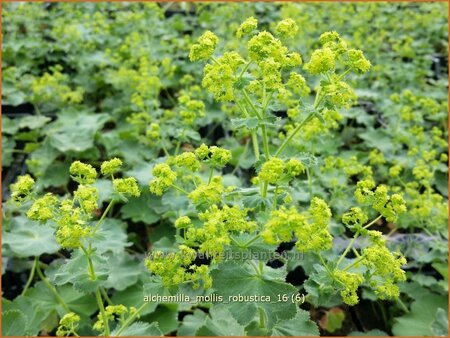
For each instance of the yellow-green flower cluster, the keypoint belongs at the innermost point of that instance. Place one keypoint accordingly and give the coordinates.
(386, 266)
(355, 218)
(350, 282)
(87, 197)
(82, 173)
(208, 194)
(190, 109)
(218, 223)
(297, 84)
(314, 236)
(22, 188)
(68, 324)
(388, 206)
(72, 229)
(111, 167)
(287, 28)
(248, 26)
(175, 268)
(204, 48)
(215, 156)
(187, 160)
(311, 229)
(219, 78)
(322, 61)
(111, 311)
(338, 93)
(43, 208)
(282, 224)
(127, 186)
(275, 169)
(164, 177)
(357, 62)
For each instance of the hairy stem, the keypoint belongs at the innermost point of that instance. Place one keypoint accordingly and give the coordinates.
(52, 288)
(30, 278)
(131, 318)
(103, 216)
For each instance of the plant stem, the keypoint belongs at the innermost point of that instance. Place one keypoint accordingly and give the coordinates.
(30, 278)
(211, 172)
(275, 197)
(105, 295)
(324, 264)
(353, 264)
(102, 311)
(52, 288)
(308, 174)
(402, 305)
(373, 222)
(347, 249)
(180, 189)
(250, 103)
(265, 142)
(131, 318)
(291, 136)
(255, 145)
(262, 318)
(103, 216)
(246, 244)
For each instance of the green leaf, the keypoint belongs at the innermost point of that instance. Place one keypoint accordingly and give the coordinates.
(191, 323)
(14, 323)
(418, 322)
(75, 132)
(140, 210)
(300, 325)
(440, 325)
(139, 329)
(166, 317)
(31, 309)
(29, 238)
(33, 121)
(250, 123)
(333, 319)
(124, 272)
(233, 279)
(111, 237)
(370, 333)
(75, 271)
(221, 323)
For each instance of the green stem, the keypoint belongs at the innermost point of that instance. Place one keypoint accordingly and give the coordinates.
(30, 278)
(105, 295)
(103, 216)
(255, 145)
(402, 305)
(52, 288)
(325, 264)
(246, 244)
(291, 136)
(373, 222)
(353, 264)
(103, 313)
(308, 174)
(211, 172)
(244, 70)
(180, 189)
(347, 249)
(131, 318)
(262, 318)
(265, 142)
(250, 103)
(275, 197)
(264, 189)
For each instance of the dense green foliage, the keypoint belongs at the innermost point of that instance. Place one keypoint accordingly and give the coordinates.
(289, 152)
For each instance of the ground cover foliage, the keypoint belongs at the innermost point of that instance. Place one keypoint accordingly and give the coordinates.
(278, 168)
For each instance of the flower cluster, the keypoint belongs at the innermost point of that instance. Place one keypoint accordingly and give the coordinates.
(215, 156)
(111, 312)
(82, 173)
(311, 229)
(204, 48)
(248, 26)
(388, 206)
(176, 268)
(218, 224)
(287, 28)
(208, 194)
(350, 281)
(275, 170)
(111, 167)
(127, 186)
(68, 324)
(22, 188)
(164, 177)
